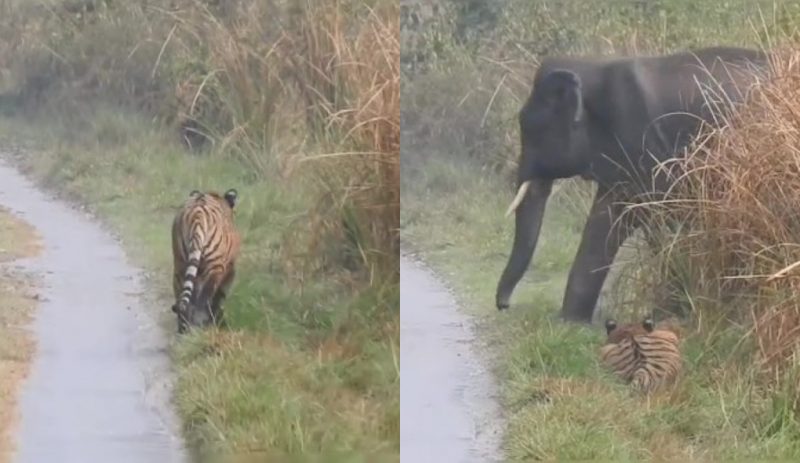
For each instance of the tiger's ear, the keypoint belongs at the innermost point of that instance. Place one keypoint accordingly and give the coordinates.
(648, 325)
(231, 196)
(194, 193)
(611, 325)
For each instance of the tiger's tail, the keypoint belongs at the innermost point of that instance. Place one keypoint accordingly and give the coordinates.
(190, 275)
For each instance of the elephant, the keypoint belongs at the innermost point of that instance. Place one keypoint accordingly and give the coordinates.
(612, 121)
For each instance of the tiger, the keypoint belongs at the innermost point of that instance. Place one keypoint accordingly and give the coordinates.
(205, 246)
(642, 355)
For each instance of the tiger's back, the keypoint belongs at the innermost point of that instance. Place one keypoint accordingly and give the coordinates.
(205, 246)
(641, 355)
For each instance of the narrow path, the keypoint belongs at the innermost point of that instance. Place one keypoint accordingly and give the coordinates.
(448, 410)
(99, 386)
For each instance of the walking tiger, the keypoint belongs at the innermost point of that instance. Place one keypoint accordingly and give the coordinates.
(205, 246)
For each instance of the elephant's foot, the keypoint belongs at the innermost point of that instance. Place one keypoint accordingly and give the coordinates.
(573, 316)
(501, 301)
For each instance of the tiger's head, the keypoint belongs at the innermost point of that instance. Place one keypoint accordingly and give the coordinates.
(643, 354)
(616, 333)
(231, 196)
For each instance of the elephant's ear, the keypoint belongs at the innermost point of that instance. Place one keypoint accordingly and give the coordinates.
(562, 90)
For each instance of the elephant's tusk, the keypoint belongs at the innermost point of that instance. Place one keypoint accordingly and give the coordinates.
(523, 189)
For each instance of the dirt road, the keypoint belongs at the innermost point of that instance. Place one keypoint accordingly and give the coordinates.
(99, 386)
(448, 410)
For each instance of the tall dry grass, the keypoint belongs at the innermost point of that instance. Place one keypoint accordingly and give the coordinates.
(295, 101)
(331, 68)
(733, 207)
(307, 88)
(351, 83)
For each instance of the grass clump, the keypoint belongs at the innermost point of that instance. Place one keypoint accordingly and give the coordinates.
(314, 84)
(129, 106)
(735, 245)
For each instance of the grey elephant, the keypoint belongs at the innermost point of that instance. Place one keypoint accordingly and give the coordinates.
(612, 121)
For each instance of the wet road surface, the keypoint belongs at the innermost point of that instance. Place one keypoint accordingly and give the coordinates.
(448, 410)
(99, 386)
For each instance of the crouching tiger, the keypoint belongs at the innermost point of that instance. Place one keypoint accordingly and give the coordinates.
(205, 245)
(642, 355)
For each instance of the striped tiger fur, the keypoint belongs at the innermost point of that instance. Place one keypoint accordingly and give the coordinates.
(205, 245)
(642, 355)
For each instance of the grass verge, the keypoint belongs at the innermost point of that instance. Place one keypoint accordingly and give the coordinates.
(560, 403)
(17, 304)
(303, 370)
(131, 105)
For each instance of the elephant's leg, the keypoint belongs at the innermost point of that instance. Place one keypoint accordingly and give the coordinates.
(602, 238)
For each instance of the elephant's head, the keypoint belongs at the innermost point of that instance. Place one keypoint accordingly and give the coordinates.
(554, 142)
(553, 134)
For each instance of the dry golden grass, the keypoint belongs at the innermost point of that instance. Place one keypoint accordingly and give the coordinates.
(300, 102)
(334, 73)
(307, 88)
(738, 200)
(17, 302)
(363, 182)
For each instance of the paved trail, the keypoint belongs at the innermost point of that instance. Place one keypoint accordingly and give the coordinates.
(99, 387)
(448, 410)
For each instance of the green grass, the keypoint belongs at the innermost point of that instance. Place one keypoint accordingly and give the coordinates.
(307, 369)
(300, 103)
(561, 404)
(467, 72)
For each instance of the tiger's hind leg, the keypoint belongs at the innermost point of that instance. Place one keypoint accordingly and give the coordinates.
(215, 307)
(217, 311)
(177, 286)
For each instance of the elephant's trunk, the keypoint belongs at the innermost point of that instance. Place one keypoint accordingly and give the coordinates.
(529, 214)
